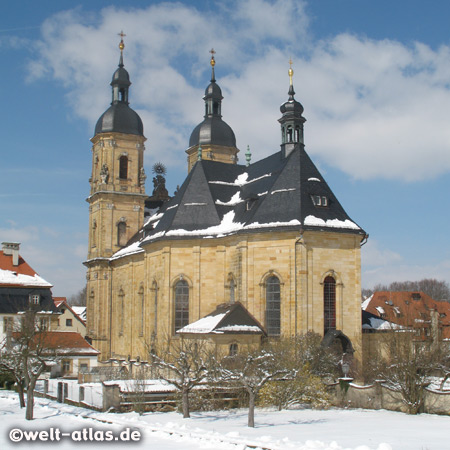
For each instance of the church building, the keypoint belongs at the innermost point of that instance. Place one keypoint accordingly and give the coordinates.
(241, 251)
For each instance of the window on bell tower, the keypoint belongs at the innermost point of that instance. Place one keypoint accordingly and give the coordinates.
(123, 167)
(121, 234)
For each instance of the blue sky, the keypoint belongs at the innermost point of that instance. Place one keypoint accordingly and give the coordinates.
(373, 77)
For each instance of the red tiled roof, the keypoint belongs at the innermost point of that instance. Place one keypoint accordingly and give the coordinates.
(409, 308)
(64, 342)
(6, 263)
(59, 300)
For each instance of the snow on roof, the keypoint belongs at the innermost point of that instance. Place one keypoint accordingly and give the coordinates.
(204, 325)
(235, 199)
(282, 190)
(380, 309)
(380, 324)
(241, 180)
(80, 311)
(131, 249)
(13, 278)
(145, 385)
(366, 302)
(330, 223)
(241, 328)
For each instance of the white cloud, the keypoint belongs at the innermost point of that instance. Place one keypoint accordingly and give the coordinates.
(375, 109)
(58, 261)
(382, 265)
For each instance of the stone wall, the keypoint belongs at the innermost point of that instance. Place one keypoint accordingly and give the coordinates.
(380, 396)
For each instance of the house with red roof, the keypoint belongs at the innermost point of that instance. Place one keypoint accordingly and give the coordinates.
(412, 310)
(22, 289)
(72, 318)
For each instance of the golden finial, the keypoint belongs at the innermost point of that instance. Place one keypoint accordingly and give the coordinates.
(213, 62)
(121, 45)
(291, 71)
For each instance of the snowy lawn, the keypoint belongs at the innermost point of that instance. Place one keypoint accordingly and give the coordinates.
(334, 429)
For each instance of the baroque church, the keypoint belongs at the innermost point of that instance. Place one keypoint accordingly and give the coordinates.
(241, 252)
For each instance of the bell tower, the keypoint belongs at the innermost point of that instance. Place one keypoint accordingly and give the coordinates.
(116, 200)
(117, 196)
(291, 120)
(212, 139)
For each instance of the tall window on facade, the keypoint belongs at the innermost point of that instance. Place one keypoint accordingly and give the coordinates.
(121, 310)
(94, 233)
(329, 304)
(121, 234)
(181, 304)
(123, 167)
(232, 290)
(273, 302)
(141, 301)
(155, 307)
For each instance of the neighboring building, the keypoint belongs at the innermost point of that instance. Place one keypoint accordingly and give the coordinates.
(71, 317)
(73, 353)
(417, 311)
(22, 288)
(270, 235)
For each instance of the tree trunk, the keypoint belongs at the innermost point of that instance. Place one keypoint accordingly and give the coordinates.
(21, 395)
(30, 399)
(251, 409)
(185, 404)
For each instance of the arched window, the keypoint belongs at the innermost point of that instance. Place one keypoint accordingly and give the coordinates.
(123, 167)
(273, 301)
(121, 311)
(94, 233)
(121, 234)
(181, 304)
(155, 307)
(142, 312)
(329, 304)
(289, 134)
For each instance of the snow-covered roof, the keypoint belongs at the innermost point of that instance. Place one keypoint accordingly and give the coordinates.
(225, 319)
(10, 278)
(276, 193)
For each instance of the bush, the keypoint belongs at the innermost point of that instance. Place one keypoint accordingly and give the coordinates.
(305, 388)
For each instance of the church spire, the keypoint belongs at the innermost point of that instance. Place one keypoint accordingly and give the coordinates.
(121, 79)
(291, 120)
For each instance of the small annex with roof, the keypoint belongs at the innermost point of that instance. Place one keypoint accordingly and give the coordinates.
(227, 327)
(268, 235)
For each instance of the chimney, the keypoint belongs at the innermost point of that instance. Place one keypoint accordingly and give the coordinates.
(12, 249)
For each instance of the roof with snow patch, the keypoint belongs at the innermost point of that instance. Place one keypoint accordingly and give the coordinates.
(275, 193)
(225, 319)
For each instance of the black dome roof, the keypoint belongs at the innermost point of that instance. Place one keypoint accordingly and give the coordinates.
(213, 130)
(119, 117)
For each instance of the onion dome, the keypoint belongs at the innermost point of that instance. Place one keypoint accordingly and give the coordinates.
(119, 117)
(291, 120)
(213, 130)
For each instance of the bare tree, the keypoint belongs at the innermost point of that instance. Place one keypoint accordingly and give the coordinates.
(185, 365)
(311, 362)
(436, 289)
(78, 299)
(25, 354)
(251, 370)
(407, 363)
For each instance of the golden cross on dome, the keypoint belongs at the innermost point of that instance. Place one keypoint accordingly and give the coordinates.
(291, 71)
(121, 45)
(213, 52)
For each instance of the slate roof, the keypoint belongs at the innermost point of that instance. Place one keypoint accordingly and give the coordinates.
(225, 319)
(217, 199)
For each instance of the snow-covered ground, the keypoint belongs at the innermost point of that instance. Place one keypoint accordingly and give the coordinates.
(306, 429)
